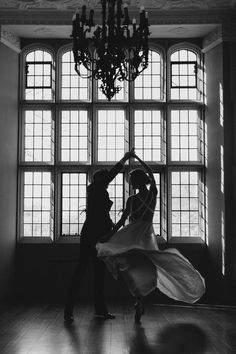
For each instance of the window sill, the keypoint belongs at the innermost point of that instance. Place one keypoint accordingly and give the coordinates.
(76, 240)
(68, 239)
(33, 240)
(186, 240)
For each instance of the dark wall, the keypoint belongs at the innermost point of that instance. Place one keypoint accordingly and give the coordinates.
(8, 163)
(44, 271)
(230, 170)
(214, 141)
(220, 92)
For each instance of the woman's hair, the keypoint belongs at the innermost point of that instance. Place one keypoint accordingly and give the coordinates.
(100, 174)
(139, 178)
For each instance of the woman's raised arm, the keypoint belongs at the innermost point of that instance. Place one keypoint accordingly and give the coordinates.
(150, 174)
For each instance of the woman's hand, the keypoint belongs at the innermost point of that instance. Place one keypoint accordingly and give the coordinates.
(129, 154)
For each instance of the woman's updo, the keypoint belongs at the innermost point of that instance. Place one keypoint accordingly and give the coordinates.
(139, 178)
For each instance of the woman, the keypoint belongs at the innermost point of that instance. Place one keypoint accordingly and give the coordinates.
(133, 251)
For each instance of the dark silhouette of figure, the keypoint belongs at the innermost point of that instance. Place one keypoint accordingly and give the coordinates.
(133, 253)
(97, 223)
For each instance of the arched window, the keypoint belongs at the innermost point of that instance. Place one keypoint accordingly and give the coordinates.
(149, 84)
(185, 75)
(39, 75)
(186, 148)
(73, 87)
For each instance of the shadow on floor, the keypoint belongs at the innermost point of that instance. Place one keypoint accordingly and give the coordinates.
(183, 338)
(174, 339)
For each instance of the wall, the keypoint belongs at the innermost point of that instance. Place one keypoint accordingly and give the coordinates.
(44, 271)
(8, 163)
(230, 108)
(220, 145)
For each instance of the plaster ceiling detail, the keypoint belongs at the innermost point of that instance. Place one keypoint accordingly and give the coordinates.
(63, 5)
(9, 39)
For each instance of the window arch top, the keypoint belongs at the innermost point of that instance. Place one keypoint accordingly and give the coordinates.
(149, 84)
(38, 55)
(183, 55)
(73, 86)
(185, 75)
(39, 75)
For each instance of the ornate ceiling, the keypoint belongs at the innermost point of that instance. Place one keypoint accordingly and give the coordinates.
(63, 5)
(167, 18)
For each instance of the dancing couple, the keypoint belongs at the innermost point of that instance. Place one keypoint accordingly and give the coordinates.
(129, 251)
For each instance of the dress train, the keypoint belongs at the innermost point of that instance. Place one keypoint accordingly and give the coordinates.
(133, 252)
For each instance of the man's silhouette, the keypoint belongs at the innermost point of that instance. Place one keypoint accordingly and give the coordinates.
(97, 224)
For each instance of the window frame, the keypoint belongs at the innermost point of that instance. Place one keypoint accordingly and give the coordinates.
(57, 105)
(35, 46)
(197, 50)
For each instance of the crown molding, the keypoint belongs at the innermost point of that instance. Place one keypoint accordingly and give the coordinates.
(96, 4)
(223, 33)
(9, 39)
(212, 39)
(156, 16)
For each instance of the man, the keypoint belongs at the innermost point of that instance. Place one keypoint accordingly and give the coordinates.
(97, 224)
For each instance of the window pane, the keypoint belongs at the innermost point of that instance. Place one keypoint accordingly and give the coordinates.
(73, 86)
(185, 139)
(37, 205)
(74, 136)
(148, 85)
(111, 135)
(38, 136)
(147, 134)
(73, 203)
(39, 78)
(185, 204)
(185, 75)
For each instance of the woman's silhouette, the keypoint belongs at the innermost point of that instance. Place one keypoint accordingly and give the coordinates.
(134, 253)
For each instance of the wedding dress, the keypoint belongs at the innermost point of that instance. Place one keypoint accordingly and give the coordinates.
(133, 252)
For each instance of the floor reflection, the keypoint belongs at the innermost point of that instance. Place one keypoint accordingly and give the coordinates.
(89, 339)
(139, 342)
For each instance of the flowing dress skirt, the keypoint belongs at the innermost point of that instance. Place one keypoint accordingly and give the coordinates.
(133, 252)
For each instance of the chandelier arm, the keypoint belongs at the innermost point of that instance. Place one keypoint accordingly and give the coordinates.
(121, 50)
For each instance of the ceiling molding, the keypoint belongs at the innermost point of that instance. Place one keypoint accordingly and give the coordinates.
(62, 5)
(9, 39)
(223, 33)
(156, 16)
(212, 40)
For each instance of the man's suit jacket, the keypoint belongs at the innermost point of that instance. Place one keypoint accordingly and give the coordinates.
(98, 221)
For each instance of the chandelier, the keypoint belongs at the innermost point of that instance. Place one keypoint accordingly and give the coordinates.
(114, 51)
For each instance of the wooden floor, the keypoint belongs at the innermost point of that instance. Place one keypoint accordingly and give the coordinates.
(165, 329)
